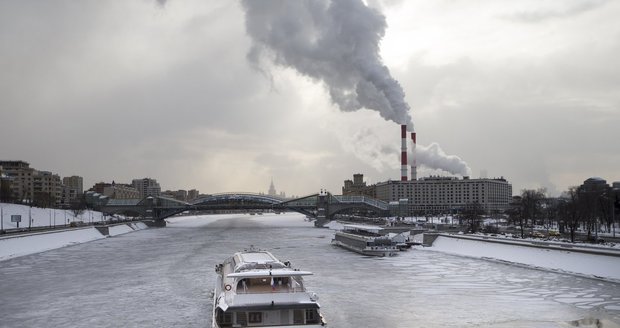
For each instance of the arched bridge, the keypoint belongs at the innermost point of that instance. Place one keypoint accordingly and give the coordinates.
(321, 206)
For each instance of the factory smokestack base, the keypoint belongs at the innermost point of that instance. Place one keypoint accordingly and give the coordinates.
(414, 167)
(403, 155)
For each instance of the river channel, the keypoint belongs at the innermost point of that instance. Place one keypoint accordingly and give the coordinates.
(164, 278)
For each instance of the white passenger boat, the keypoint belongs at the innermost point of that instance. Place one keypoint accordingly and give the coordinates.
(254, 289)
(365, 239)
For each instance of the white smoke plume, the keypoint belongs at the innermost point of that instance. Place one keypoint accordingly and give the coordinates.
(368, 147)
(434, 157)
(372, 150)
(336, 42)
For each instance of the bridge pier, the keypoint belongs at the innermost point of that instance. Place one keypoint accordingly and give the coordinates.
(155, 223)
(322, 209)
(320, 221)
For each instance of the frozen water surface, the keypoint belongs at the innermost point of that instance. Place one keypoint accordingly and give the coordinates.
(164, 278)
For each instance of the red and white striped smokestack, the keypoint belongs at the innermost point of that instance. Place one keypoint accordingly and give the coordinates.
(403, 155)
(414, 167)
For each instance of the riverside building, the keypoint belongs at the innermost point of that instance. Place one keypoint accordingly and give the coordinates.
(146, 187)
(435, 194)
(21, 175)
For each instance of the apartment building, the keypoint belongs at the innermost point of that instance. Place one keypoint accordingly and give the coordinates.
(146, 187)
(21, 175)
(120, 191)
(447, 194)
(47, 188)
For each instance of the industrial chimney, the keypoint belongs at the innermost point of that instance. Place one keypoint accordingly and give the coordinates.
(403, 155)
(414, 167)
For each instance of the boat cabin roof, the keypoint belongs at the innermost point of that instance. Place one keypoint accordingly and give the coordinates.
(257, 257)
(269, 273)
(360, 227)
(253, 260)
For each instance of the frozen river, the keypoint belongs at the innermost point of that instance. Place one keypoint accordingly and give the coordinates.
(164, 278)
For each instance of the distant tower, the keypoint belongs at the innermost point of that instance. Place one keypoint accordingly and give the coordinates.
(272, 189)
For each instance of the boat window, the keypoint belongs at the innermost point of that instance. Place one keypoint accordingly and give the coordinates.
(242, 319)
(284, 281)
(242, 285)
(256, 282)
(224, 319)
(297, 283)
(312, 316)
(255, 317)
(298, 317)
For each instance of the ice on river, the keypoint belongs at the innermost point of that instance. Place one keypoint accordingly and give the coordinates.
(164, 277)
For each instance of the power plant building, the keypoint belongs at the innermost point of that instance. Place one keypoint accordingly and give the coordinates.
(436, 194)
(446, 194)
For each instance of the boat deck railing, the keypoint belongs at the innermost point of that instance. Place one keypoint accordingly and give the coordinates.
(269, 289)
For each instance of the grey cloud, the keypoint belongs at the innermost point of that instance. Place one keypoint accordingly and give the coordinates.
(118, 90)
(535, 122)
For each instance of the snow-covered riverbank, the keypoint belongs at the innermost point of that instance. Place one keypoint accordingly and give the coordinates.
(19, 245)
(587, 264)
(45, 217)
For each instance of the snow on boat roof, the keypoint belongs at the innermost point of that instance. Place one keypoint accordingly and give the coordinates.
(362, 227)
(268, 273)
(257, 257)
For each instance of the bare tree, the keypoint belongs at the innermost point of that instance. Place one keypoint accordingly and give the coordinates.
(472, 214)
(606, 209)
(571, 211)
(78, 206)
(531, 207)
(6, 195)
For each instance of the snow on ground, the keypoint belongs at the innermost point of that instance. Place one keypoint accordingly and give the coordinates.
(607, 267)
(138, 225)
(119, 229)
(19, 245)
(44, 217)
(40, 242)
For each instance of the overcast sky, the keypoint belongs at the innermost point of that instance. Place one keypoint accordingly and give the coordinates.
(116, 90)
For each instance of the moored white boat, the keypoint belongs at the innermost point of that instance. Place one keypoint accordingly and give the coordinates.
(254, 289)
(365, 240)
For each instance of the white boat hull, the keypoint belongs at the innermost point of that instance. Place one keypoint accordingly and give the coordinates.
(254, 289)
(376, 251)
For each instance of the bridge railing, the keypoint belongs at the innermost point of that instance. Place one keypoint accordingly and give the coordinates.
(362, 199)
(304, 203)
(238, 196)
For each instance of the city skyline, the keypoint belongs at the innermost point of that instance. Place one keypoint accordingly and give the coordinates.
(164, 89)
